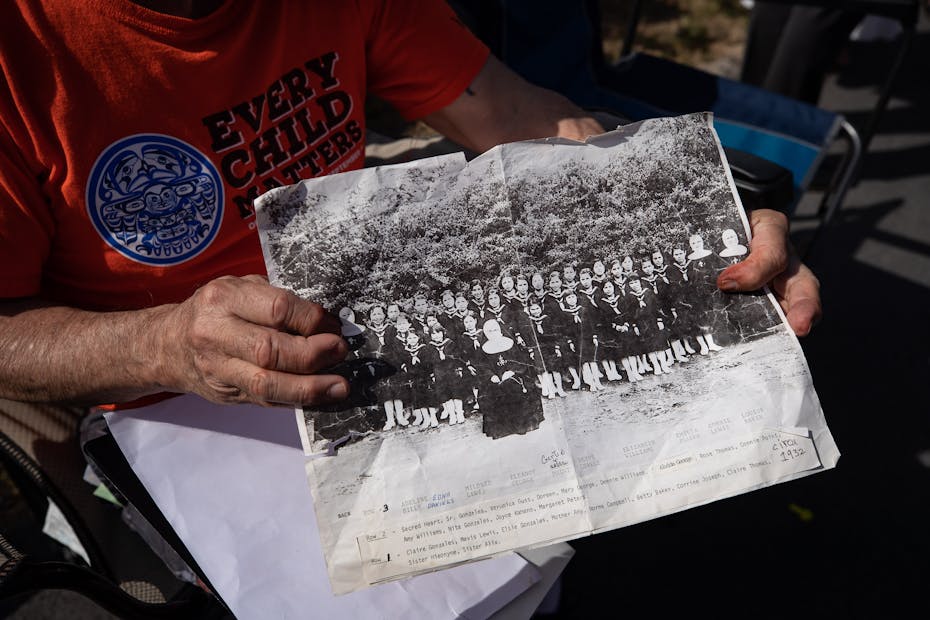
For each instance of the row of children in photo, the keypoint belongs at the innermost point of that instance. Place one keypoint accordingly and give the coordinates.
(697, 268)
(568, 329)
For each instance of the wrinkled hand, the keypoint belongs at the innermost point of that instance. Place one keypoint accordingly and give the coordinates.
(773, 261)
(242, 340)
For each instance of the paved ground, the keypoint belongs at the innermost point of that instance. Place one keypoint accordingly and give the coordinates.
(853, 542)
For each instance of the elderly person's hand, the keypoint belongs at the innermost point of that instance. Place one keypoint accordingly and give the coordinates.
(773, 261)
(234, 340)
(242, 340)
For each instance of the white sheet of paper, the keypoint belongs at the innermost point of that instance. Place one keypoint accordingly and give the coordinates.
(231, 481)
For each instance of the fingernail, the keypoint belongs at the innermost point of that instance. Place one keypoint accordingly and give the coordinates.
(728, 285)
(337, 391)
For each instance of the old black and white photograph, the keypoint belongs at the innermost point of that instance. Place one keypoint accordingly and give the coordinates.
(465, 298)
(552, 305)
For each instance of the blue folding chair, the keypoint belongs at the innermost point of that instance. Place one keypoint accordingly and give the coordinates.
(790, 133)
(558, 45)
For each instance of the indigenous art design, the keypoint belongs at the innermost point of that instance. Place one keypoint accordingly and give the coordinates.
(155, 199)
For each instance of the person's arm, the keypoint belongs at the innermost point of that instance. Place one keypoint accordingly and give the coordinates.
(500, 106)
(234, 340)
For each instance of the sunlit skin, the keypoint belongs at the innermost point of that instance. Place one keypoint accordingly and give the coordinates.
(477, 292)
(599, 269)
(555, 282)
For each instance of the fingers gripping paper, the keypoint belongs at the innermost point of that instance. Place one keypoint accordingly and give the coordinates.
(539, 348)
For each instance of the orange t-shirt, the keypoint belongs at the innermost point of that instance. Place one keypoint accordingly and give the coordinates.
(133, 143)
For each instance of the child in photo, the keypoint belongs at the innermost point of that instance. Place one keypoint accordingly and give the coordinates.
(448, 385)
(545, 329)
(477, 302)
(569, 277)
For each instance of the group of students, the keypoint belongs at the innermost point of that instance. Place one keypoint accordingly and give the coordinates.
(499, 349)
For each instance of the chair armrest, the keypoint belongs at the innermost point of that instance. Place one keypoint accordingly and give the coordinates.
(761, 183)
